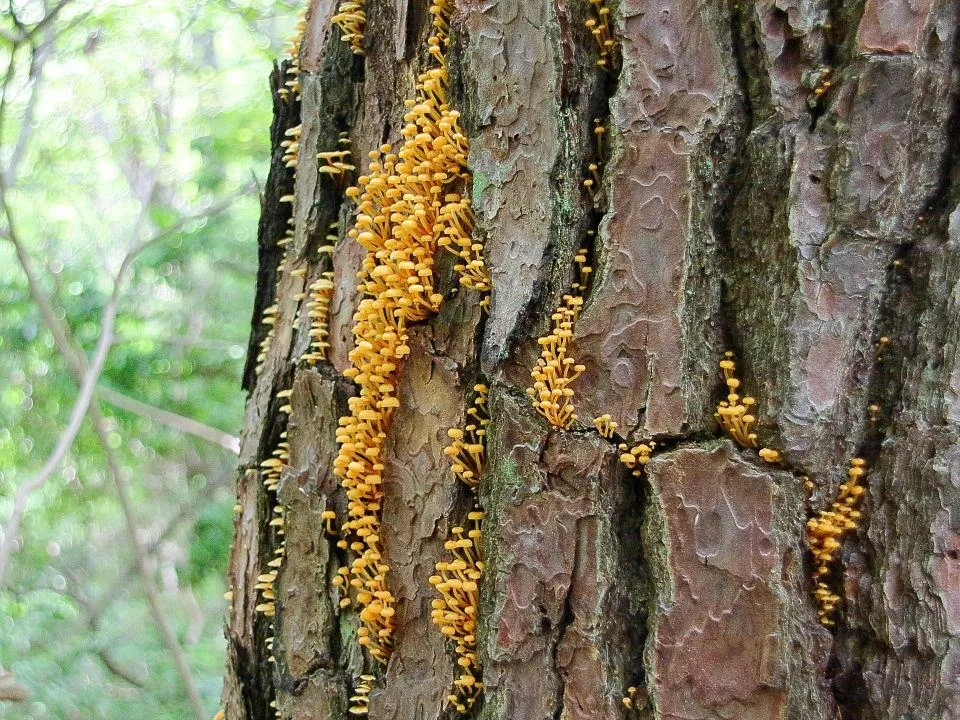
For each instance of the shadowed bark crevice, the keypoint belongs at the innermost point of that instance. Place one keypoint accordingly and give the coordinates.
(946, 193)
(750, 222)
(273, 220)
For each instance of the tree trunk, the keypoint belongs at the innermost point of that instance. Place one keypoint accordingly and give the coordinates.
(776, 178)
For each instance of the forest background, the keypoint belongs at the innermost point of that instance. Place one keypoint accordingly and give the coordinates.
(133, 139)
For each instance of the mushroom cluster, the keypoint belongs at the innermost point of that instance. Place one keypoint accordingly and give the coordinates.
(456, 582)
(556, 370)
(455, 611)
(472, 268)
(467, 451)
(318, 310)
(318, 306)
(360, 702)
(335, 164)
(292, 84)
(637, 456)
(271, 471)
(825, 532)
(598, 23)
(605, 425)
(352, 21)
(404, 207)
(734, 414)
(291, 157)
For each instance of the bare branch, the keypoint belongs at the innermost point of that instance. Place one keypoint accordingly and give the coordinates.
(204, 214)
(170, 419)
(88, 383)
(87, 375)
(37, 60)
(150, 589)
(187, 340)
(92, 625)
(107, 597)
(48, 18)
(5, 87)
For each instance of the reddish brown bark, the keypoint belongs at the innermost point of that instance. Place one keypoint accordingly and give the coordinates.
(782, 180)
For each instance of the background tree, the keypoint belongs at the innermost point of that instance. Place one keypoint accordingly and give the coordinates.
(778, 179)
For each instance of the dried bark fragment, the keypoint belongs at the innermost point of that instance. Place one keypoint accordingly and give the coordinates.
(418, 507)
(901, 647)
(675, 80)
(731, 633)
(554, 613)
(513, 151)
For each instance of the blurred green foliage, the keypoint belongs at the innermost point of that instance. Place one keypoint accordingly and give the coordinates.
(142, 113)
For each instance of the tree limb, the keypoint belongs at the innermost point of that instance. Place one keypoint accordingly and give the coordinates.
(92, 623)
(88, 383)
(37, 60)
(86, 374)
(150, 590)
(187, 425)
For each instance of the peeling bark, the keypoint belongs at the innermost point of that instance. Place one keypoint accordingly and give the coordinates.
(782, 181)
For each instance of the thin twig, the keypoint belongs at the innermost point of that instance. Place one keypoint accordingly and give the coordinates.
(47, 19)
(93, 625)
(81, 405)
(150, 590)
(35, 74)
(171, 419)
(108, 596)
(87, 374)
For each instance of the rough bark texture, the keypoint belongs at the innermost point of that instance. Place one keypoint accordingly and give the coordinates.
(813, 228)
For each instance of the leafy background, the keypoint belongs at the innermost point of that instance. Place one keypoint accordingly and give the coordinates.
(145, 112)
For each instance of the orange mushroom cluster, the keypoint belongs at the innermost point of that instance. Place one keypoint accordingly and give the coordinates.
(634, 700)
(594, 180)
(291, 147)
(336, 163)
(360, 702)
(467, 451)
(637, 456)
(318, 310)
(318, 307)
(556, 370)
(598, 23)
(605, 426)
(472, 268)
(734, 414)
(291, 157)
(401, 215)
(456, 582)
(352, 21)
(455, 611)
(770, 455)
(825, 532)
(292, 83)
(271, 471)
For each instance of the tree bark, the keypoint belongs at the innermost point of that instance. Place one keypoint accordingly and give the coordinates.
(781, 179)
